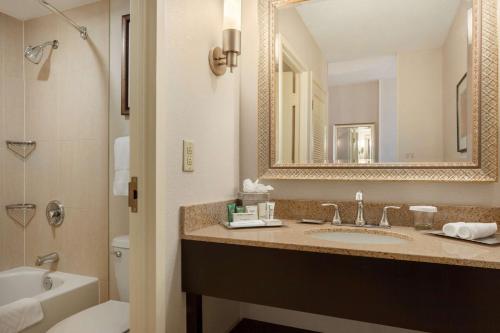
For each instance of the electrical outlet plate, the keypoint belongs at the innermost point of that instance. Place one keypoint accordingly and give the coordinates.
(187, 164)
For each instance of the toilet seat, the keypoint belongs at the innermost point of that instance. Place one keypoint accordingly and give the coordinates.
(109, 317)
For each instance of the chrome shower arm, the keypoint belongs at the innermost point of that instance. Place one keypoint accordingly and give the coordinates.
(80, 28)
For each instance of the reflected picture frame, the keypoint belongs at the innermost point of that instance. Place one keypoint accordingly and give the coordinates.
(462, 119)
(125, 72)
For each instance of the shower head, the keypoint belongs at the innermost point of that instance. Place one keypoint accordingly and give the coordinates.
(35, 53)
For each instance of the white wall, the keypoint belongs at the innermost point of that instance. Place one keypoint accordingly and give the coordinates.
(356, 103)
(411, 192)
(388, 121)
(353, 103)
(291, 26)
(193, 104)
(455, 53)
(420, 116)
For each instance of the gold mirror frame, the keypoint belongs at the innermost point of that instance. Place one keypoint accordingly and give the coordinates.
(484, 164)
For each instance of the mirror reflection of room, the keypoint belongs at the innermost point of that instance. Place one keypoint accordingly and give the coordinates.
(346, 95)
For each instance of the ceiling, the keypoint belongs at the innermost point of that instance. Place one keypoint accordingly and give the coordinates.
(28, 9)
(362, 70)
(356, 29)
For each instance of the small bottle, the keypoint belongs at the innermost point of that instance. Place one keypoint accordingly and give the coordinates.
(231, 209)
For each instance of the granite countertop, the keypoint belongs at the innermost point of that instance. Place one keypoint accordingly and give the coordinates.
(296, 236)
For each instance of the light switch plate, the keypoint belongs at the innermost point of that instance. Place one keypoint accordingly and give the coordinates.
(187, 164)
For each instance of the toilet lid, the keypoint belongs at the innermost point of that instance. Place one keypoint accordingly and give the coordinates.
(109, 317)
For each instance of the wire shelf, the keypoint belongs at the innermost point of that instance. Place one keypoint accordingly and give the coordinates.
(21, 213)
(22, 149)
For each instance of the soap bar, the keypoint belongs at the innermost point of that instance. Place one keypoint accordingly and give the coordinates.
(248, 224)
(244, 217)
(312, 221)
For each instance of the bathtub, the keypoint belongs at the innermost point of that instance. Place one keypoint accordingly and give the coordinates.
(60, 294)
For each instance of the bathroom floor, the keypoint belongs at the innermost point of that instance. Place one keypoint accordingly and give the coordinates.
(252, 326)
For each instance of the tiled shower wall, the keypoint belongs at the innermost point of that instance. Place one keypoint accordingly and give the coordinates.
(11, 127)
(66, 113)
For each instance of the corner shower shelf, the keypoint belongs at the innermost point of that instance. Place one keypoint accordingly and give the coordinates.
(21, 213)
(22, 149)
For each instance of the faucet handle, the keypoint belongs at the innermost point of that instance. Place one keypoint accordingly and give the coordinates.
(336, 217)
(384, 221)
(359, 196)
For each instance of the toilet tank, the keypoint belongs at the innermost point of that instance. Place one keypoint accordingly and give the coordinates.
(120, 249)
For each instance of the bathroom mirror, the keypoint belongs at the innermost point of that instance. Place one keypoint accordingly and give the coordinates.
(378, 90)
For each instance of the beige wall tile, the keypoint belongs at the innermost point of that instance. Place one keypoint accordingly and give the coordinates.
(67, 111)
(41, 112)
(13, 50)
(14, 107)
(66, 108)
(11, 127)
(11, 191)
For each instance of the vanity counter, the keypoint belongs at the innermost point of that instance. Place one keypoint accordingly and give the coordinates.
(419, 247)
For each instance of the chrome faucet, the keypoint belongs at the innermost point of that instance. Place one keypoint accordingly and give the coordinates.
(47, 259)
(384, 221)
(360, 216)
(336, 216)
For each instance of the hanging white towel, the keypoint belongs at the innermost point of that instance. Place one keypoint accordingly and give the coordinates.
(477, 230)
(21, 314)
(122, 166)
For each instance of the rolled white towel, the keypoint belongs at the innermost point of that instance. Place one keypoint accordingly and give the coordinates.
(21, 314)
(451, 229)
(476, 230)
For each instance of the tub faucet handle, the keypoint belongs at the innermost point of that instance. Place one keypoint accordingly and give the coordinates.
(384, 221)
(336, 217)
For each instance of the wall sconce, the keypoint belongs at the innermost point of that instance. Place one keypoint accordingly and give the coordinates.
(227, 56)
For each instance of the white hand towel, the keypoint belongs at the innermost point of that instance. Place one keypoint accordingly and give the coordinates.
(21, 314)
(451, 229)
(477, 230)
(122, 166)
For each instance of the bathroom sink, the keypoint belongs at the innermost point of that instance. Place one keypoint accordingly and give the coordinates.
(361, 236)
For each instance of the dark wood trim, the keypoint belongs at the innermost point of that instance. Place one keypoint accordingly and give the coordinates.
(253, 326)
(125, 100)
(413, 295)
(194, 313)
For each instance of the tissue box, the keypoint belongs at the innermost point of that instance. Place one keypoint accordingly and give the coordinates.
(251, 199)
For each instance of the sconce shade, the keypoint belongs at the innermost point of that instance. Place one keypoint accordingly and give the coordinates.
(232, 15)
(221, 58)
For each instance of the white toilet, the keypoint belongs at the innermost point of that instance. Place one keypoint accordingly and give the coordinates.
(109, 317)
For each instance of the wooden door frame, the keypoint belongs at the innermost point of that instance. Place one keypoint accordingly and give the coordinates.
(145, 315)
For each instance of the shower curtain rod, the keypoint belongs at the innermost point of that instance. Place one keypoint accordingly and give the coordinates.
(80, 28)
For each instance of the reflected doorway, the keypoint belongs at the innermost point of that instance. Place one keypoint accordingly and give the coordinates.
(354, 143)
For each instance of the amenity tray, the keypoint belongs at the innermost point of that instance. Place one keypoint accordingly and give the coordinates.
(491, 240)
(264, 224)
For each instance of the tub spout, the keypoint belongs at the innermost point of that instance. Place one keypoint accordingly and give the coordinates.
(47, 259)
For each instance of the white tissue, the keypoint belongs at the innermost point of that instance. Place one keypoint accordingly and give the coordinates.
(476, 230)
(255, 187)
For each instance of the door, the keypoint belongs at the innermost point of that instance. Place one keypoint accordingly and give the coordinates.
(145, 307)
(290, 119)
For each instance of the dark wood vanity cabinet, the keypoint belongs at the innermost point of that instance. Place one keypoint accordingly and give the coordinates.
(407, 294)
